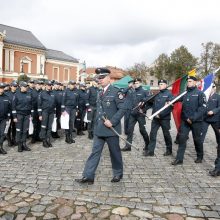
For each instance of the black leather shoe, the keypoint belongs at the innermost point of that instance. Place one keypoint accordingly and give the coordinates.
(45, 144)
(126, 149)
(25, 147)
(116, 179)
(198, 160)
(2, 151)
(85, 180)
(148, 154)
(167, 153)
(177, 162)
(214, 172)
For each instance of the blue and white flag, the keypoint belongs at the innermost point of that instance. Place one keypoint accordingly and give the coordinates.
(206, 84)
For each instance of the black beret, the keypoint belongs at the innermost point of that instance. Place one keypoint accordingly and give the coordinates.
(14, 84)
(192, 77)
(23, 84)
(162, 81)
(49, 83)
(31, 81)
(6, 84)
(137, 80)
(72, 82)
(2, 85)
(102, 71)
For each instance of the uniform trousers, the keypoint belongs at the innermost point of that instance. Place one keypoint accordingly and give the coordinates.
(155, 125)
(72, 117)
(22, 126)
(46, 125)
(94, 158)
(197, 130)
(2, 130)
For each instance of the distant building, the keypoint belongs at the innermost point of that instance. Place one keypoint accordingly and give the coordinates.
(21, 52)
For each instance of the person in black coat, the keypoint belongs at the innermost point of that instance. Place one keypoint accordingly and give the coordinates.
(161, 120)
(193, 110)
(46, 111)
(5, 112)
(22, 111)
(110, 110)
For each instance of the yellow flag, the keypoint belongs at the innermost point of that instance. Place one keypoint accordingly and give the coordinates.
(192, 72)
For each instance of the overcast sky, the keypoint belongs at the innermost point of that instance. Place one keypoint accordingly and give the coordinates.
(116, 32)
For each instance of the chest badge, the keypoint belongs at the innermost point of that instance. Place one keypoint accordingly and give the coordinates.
(108, 103)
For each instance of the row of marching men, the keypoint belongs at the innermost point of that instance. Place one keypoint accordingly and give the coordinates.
(197, 114)
(40, 103)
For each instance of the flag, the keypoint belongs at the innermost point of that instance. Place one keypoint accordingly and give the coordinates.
(206, 84)
(178, 87)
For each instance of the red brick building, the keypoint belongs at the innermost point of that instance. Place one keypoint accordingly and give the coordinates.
(21, 52)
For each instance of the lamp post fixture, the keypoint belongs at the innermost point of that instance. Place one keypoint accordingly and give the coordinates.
(22, 66)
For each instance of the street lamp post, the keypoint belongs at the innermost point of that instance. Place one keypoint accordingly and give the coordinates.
(22, 66)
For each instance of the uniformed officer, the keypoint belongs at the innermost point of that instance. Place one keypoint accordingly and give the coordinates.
(110, 104)
(91, 109)
(138, 97)
(58, 97)
(5, 112)
(83, 104)
(193, 109)
(46, 111)
(12, 129)
(31, 85)
(70, 101)
(128, 94)
(22, 110)
(36, 122)
(161, 120)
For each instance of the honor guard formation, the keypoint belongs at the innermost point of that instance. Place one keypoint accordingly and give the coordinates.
(40, 109)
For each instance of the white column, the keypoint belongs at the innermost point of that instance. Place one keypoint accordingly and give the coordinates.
(1, 54)
(6, 59)
(43, 62)
(38, 63)
(12, 56)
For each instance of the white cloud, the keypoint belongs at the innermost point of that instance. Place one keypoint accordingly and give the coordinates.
(116, 32)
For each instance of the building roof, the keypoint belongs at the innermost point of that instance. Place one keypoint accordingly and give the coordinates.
(21, 37)
(59, 55)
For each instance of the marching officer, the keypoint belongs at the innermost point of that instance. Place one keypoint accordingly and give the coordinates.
(128, 94)
(36, 122)
(161, 120)
(46, 111)
(70, 101)
(12, 129)
(22, 110)
(193, 110)
(110, 110)
(5, 112)
(91, 109)
(83, 104)
(138, 96)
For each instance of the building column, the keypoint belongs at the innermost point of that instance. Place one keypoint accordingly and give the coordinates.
(6, 60)
(38, 63)
(1, 54)
(12, 55)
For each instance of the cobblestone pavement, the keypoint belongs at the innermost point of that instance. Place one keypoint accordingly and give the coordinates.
(40, 184)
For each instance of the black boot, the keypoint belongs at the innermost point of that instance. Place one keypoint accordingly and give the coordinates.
(2, 151)
(20, 149)
(55, 135)
(67, 140)
(71, 139)
(49, 143)
(214, 173)
(45, 144)
(90, 136)
(126, 148)
(25, 147)
(80, 133)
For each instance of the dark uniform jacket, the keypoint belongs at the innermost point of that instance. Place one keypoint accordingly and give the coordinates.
(136, 96)
(5, 107)
(70, 99)
(83, 99)
(92, 95)
(35, 94)
(193, 105)
(58, 98)
(46, 102)
(110, 105)
(10, 94)
(22, 103)
(213, 104)
(159, 101)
